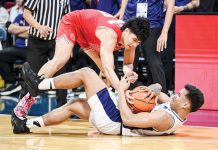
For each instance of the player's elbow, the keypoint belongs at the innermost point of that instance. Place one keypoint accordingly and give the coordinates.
(127, 120)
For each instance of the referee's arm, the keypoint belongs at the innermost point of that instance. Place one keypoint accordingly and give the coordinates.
(43, 30)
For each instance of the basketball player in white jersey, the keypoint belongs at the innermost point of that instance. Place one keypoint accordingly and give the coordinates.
(102, 107)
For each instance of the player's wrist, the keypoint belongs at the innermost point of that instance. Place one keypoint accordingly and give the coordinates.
(156, 88)
(185, 7)
(182, 8)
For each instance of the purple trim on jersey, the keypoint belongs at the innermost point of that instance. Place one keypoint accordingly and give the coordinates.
(181, 2)
(20, 42)
(108, 105)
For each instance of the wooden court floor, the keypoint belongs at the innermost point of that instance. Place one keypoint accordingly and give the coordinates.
(72, 135)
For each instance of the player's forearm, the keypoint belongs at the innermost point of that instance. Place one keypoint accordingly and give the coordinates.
(125, 111)
(127, 68)
(107, 59)
(169, 15)
(111, 75)
(163, 98)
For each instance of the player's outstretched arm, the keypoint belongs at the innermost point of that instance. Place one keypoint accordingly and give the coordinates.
(159, 120)
(162, 97)
(108, 43)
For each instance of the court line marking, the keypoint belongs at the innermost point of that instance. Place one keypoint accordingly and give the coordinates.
(122, 138)
(88, 122)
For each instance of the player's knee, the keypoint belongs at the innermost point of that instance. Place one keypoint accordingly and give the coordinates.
(59, 62)
(87, 71)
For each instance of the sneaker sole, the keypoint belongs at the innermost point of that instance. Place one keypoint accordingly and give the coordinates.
(17, 89)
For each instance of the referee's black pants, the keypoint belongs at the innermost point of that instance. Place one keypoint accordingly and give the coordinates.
(167, 58)
(153, 58)
(39, 52)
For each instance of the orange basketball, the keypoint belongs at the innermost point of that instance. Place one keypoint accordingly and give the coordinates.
(141, 103)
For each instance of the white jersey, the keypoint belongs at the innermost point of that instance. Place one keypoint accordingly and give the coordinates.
(131, 131)
(104, 115)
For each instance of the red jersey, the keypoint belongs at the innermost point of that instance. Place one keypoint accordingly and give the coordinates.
(80, 26)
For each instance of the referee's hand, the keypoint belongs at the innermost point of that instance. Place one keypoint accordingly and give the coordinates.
(45, 31)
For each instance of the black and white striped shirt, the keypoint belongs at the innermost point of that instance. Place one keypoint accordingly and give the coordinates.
(47, 13)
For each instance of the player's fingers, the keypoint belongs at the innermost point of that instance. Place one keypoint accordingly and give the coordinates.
(144, 89)
(132, 79)
(135, 74)
(149, 92)
(128, 94)
(130, 91)
(151, 95)
(156, 99)
(129, 101)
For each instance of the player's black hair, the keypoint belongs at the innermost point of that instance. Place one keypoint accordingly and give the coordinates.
(195, 96)
(139, 26)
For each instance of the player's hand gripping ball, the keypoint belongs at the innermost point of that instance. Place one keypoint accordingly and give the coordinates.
(142, 103)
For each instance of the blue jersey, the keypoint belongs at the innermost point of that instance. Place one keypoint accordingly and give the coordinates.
(109, 6)
(181, 2)
(154, 14)
(20, 42)
(78, 5)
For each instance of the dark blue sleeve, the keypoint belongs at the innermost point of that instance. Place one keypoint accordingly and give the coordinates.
(18, 18)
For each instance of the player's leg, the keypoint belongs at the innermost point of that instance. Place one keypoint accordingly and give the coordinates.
(63, 52)
(56, 116)
(48, 69)
(85, 76)
(61, 114)
(104, 113)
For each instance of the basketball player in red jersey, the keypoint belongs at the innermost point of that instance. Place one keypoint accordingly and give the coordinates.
(99, 34)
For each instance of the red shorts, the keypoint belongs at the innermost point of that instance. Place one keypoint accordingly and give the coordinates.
(67, 31)
(70, 32)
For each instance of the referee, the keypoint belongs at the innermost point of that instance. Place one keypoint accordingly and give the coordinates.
(43, 17)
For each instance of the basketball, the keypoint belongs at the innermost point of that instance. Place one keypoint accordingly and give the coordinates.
(141, 103)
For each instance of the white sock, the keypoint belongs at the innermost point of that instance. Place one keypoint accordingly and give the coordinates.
(35, 122)
(47, 84)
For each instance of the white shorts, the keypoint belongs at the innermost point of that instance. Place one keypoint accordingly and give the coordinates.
(104, 114)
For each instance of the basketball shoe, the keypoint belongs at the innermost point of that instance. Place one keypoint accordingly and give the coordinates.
(31, 79)
(19, 125)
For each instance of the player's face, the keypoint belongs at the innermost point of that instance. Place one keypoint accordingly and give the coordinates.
(180, 97)
(130, 40)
